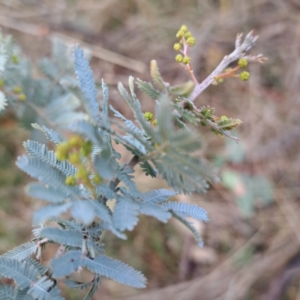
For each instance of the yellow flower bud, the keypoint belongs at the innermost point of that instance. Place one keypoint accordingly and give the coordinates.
(82, 173)
(154, 122)
(62, 151)
(1, 83)
(70, 180)
(244, 75)
(17, 89)
(183, 28)
(86, 148)
(191, 41)
(242, 62)
(223, 118)
(148, 116)
(22, 97)
(178, 58)
(74, 158)
(180, 34)
(75, 141)
(177, 47)
(186, 60)
(187, 34)
(97, 179)
(15, 59)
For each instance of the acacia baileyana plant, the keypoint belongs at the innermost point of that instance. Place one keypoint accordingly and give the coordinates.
(83, 172)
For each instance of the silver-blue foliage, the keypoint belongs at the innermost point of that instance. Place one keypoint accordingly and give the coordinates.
(81, 211)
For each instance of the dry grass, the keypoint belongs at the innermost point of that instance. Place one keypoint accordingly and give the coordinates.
(242, 258)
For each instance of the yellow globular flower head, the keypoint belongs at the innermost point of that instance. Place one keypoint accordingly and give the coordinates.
(223, 118)
(86, 148)
(180, 34)
(217, 81)
(82, 173)
(97, 179)
(178, 58)
(184, 28)
(74, 158)
(242, 62)
(244, 75)
(187, 34)
(75, 141)
(17, 89)
(22, 97)
(15, 59)
(177, 47)
(186, 60)
(154, 122)
(70, 180)
(62, 151)
(191, 41)
(148, 116)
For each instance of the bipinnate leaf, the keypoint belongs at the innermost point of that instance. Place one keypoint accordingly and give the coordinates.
(83, 211)
(182, 90)
(187, 210)
(190, 226)
(102, 265)
(125, 215)
(148, 169)
(156, 211)
(40, 191)
(22, 273)
(49, 212)
(116, 270)
(66, 237)
(158, 196)
(49, 133)
(22, 251)
(45, 289)
(155, 74)
(147, 88)
(86, 83)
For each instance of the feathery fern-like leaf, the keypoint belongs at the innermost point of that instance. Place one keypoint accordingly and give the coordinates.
(147, 88)
(125, 214)
(86, 83)
(116, 270)
(156, 211)
(50, 133)
(66, 237)
(156, 76)
(36, 149)
(21, 272)
(148, 169)
(45, 289)
(187, 210)
(190, 226)
(158, 196)
(50, 194)
(49, 212)
(21, 252)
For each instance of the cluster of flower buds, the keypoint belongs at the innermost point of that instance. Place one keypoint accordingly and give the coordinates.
(231, 72)
(75, 150)
(186, 41)
(148, 116)
(17, 91)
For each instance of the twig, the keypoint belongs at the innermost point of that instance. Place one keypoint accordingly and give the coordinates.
(239, 52)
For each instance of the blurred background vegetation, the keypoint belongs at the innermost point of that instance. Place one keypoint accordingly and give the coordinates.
(252, 243)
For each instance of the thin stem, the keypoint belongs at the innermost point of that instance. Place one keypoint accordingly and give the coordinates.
(239, 52)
